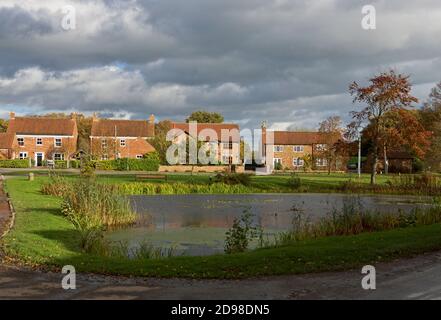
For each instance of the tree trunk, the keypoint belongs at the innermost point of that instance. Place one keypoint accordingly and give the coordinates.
(374, 162)
(386, 164)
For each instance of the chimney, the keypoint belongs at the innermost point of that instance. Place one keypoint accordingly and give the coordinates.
(11, 115)
(94, 117)
(73, 115)
(151, 119)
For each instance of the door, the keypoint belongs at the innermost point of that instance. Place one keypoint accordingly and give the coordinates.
(39, 157)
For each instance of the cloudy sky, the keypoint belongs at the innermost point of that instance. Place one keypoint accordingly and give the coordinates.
(285, 61)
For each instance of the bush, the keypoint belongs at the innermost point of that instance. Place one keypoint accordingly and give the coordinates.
(233, 178)
(294, 181)
(14, 163)
(60, 164)
(240, 234)
(278, 166)
(150, 162)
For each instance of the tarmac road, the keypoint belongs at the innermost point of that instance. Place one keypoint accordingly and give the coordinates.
(415, 278)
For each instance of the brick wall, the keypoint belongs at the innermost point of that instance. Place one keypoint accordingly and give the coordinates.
(124, 147)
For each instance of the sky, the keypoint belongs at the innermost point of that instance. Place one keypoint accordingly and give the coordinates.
(288, 62)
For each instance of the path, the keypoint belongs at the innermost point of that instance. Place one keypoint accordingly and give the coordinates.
(416, 278)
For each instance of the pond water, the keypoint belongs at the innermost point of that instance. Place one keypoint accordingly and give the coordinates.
(196, 224)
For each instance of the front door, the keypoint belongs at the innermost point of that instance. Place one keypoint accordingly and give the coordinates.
(39, 157)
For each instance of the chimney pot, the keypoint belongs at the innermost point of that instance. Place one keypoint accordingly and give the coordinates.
(11, 115)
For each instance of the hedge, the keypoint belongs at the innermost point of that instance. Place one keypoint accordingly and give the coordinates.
(150, 162)
(15, 163)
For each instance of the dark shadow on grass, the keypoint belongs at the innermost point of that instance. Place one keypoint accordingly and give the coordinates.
(68, 238)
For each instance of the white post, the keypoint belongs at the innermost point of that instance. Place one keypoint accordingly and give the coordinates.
(359, 155)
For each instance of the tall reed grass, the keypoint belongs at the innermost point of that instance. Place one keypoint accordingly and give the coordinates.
(353, 219)
(145, 188)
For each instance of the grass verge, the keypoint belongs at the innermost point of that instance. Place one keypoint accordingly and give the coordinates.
(43, 237)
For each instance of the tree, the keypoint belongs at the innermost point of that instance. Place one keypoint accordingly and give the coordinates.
(386, 92)
(431, 119)
(331, 131)
(160, 142)
(3, 125)
(205, 117)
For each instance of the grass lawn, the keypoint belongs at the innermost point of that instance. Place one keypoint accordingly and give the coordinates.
(310, 182)
(41, 236)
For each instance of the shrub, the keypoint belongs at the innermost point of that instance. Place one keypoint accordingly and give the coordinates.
(60, 164)
(278, 166)
(14, 163)
(239, 236)
(233, 178)
(294, 181)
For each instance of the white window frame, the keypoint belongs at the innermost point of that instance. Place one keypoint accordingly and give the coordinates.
(103, 143)
(321, 162)
(56, 144)
(321, 146)
(298, 162)
(20, 142)
(61, 156)
(104, 157)
(298, 148)
(23, 155)
(278, 148)
(277, 160)
(122, 142)
(39, 141)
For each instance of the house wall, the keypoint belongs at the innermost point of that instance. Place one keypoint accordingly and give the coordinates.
(68, 146)
(133, 147)
(288, 155)
(222, 152)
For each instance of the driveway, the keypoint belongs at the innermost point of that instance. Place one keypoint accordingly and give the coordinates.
(416, 278)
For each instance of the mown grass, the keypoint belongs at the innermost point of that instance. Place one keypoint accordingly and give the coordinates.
(42, 236)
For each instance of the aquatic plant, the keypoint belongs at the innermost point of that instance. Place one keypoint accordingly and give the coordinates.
(242, 232)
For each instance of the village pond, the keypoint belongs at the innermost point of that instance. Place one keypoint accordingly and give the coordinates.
(196, 224)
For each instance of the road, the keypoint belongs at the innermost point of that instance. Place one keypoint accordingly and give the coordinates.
(415, 278)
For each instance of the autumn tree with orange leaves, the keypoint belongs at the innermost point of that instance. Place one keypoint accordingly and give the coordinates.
(385, 93)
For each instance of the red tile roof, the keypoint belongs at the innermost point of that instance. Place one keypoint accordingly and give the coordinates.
(6, 140)
(297, 138)
(42, 126)
(124, 128)
(218, 128)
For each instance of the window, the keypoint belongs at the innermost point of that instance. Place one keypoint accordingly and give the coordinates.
(297, 162)
(39, 142)
(320, 162)
(23, 155)
(58, 142)
(278, 148)
(228, 145)
(298, 148)
(122, 142)
(277, 162)
(104, 157)
(58, 156)
(320, 147)
(104, 143)
(139, 156)
(20, 142)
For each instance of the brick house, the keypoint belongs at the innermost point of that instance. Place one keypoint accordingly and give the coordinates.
(223, 137)
(39, 138)
(290, 150)
(112, 139)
